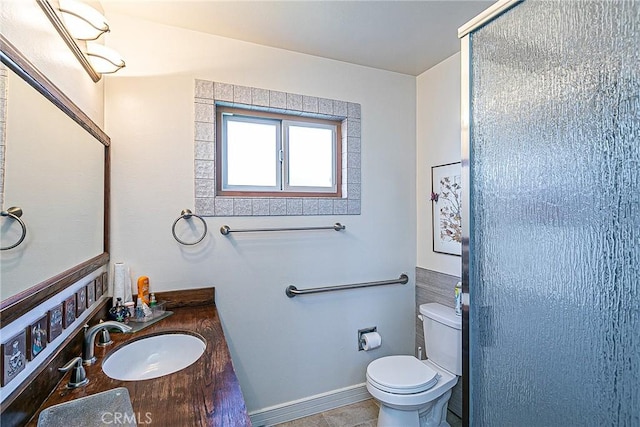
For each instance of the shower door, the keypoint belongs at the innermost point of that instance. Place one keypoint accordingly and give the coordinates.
(551, 256)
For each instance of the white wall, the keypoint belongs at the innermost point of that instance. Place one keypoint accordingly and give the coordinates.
(26, 26)
(438, 142)
(283, 349)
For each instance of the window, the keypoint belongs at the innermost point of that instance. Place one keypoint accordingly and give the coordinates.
(211, 98)
(268, 154)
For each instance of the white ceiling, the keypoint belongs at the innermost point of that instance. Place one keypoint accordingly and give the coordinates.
(403, 36)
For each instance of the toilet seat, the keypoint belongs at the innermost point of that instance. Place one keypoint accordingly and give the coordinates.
(446, 380)
(401, 375)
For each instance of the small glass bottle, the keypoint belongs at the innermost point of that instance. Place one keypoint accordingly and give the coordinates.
(139, 311)
(131, 308)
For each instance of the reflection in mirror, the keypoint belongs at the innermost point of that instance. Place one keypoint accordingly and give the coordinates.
(54, 171)
(54, 165)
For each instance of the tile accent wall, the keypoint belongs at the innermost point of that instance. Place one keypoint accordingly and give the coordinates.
(208, 94)
(3, 127)
(432, 286)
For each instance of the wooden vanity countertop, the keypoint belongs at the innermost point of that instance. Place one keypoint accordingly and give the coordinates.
(206, 393)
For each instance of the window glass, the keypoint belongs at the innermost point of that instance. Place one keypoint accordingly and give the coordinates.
(251, 153)
(311, 156)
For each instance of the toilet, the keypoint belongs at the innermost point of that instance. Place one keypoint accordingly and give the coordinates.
(413, 392)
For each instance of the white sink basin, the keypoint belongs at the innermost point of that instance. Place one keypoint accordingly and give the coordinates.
(153, 356)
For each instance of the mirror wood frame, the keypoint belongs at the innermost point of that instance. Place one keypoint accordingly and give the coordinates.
(15, 306)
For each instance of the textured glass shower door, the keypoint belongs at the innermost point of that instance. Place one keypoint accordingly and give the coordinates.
(553, 257)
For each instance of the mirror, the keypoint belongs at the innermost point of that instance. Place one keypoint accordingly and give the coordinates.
(55, 163)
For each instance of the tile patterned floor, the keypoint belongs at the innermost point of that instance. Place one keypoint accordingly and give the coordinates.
(361, 414)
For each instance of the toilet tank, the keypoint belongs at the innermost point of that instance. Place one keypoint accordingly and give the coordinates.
(442, 336)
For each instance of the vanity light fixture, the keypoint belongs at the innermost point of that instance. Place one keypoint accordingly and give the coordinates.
(82, 21)
(95, 58)
(103, 59)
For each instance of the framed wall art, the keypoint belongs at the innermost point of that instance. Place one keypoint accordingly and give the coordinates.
(81, 301)
(91, 293)
(98, 287)
(69, 311)
(446, 197)
(54, 322)
(105, 283)
(14, 356)
(37, 337)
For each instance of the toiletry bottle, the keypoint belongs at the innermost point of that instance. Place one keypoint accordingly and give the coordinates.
(143, 289)
(139, 311)
(142, 310)
(457, 291)
(131, 307)
(152, 300)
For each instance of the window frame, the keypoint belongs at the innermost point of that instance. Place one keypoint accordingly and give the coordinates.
(282, 173)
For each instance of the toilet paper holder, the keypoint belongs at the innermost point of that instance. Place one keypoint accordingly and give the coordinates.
(361, 332)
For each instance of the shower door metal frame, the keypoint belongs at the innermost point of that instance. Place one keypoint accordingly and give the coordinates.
(464, 33)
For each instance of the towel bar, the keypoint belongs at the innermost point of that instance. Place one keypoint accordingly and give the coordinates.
(225, 229)
(292, 291)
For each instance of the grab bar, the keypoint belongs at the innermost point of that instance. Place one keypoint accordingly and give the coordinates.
(292, 291)
(225, 229)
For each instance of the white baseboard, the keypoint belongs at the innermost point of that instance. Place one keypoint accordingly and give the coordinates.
(309, 405)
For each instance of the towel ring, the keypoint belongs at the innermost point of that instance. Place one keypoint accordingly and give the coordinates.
(187, 214)
(15, 213)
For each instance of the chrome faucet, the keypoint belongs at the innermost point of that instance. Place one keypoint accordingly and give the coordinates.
(90, 335)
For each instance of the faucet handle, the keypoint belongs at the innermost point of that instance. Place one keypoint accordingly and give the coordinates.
(78, 374)
(104, 338)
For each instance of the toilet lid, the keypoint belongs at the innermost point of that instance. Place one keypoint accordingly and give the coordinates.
(401, 374)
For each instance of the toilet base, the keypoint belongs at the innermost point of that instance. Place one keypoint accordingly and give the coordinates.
(388, 417)
(432, 414)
